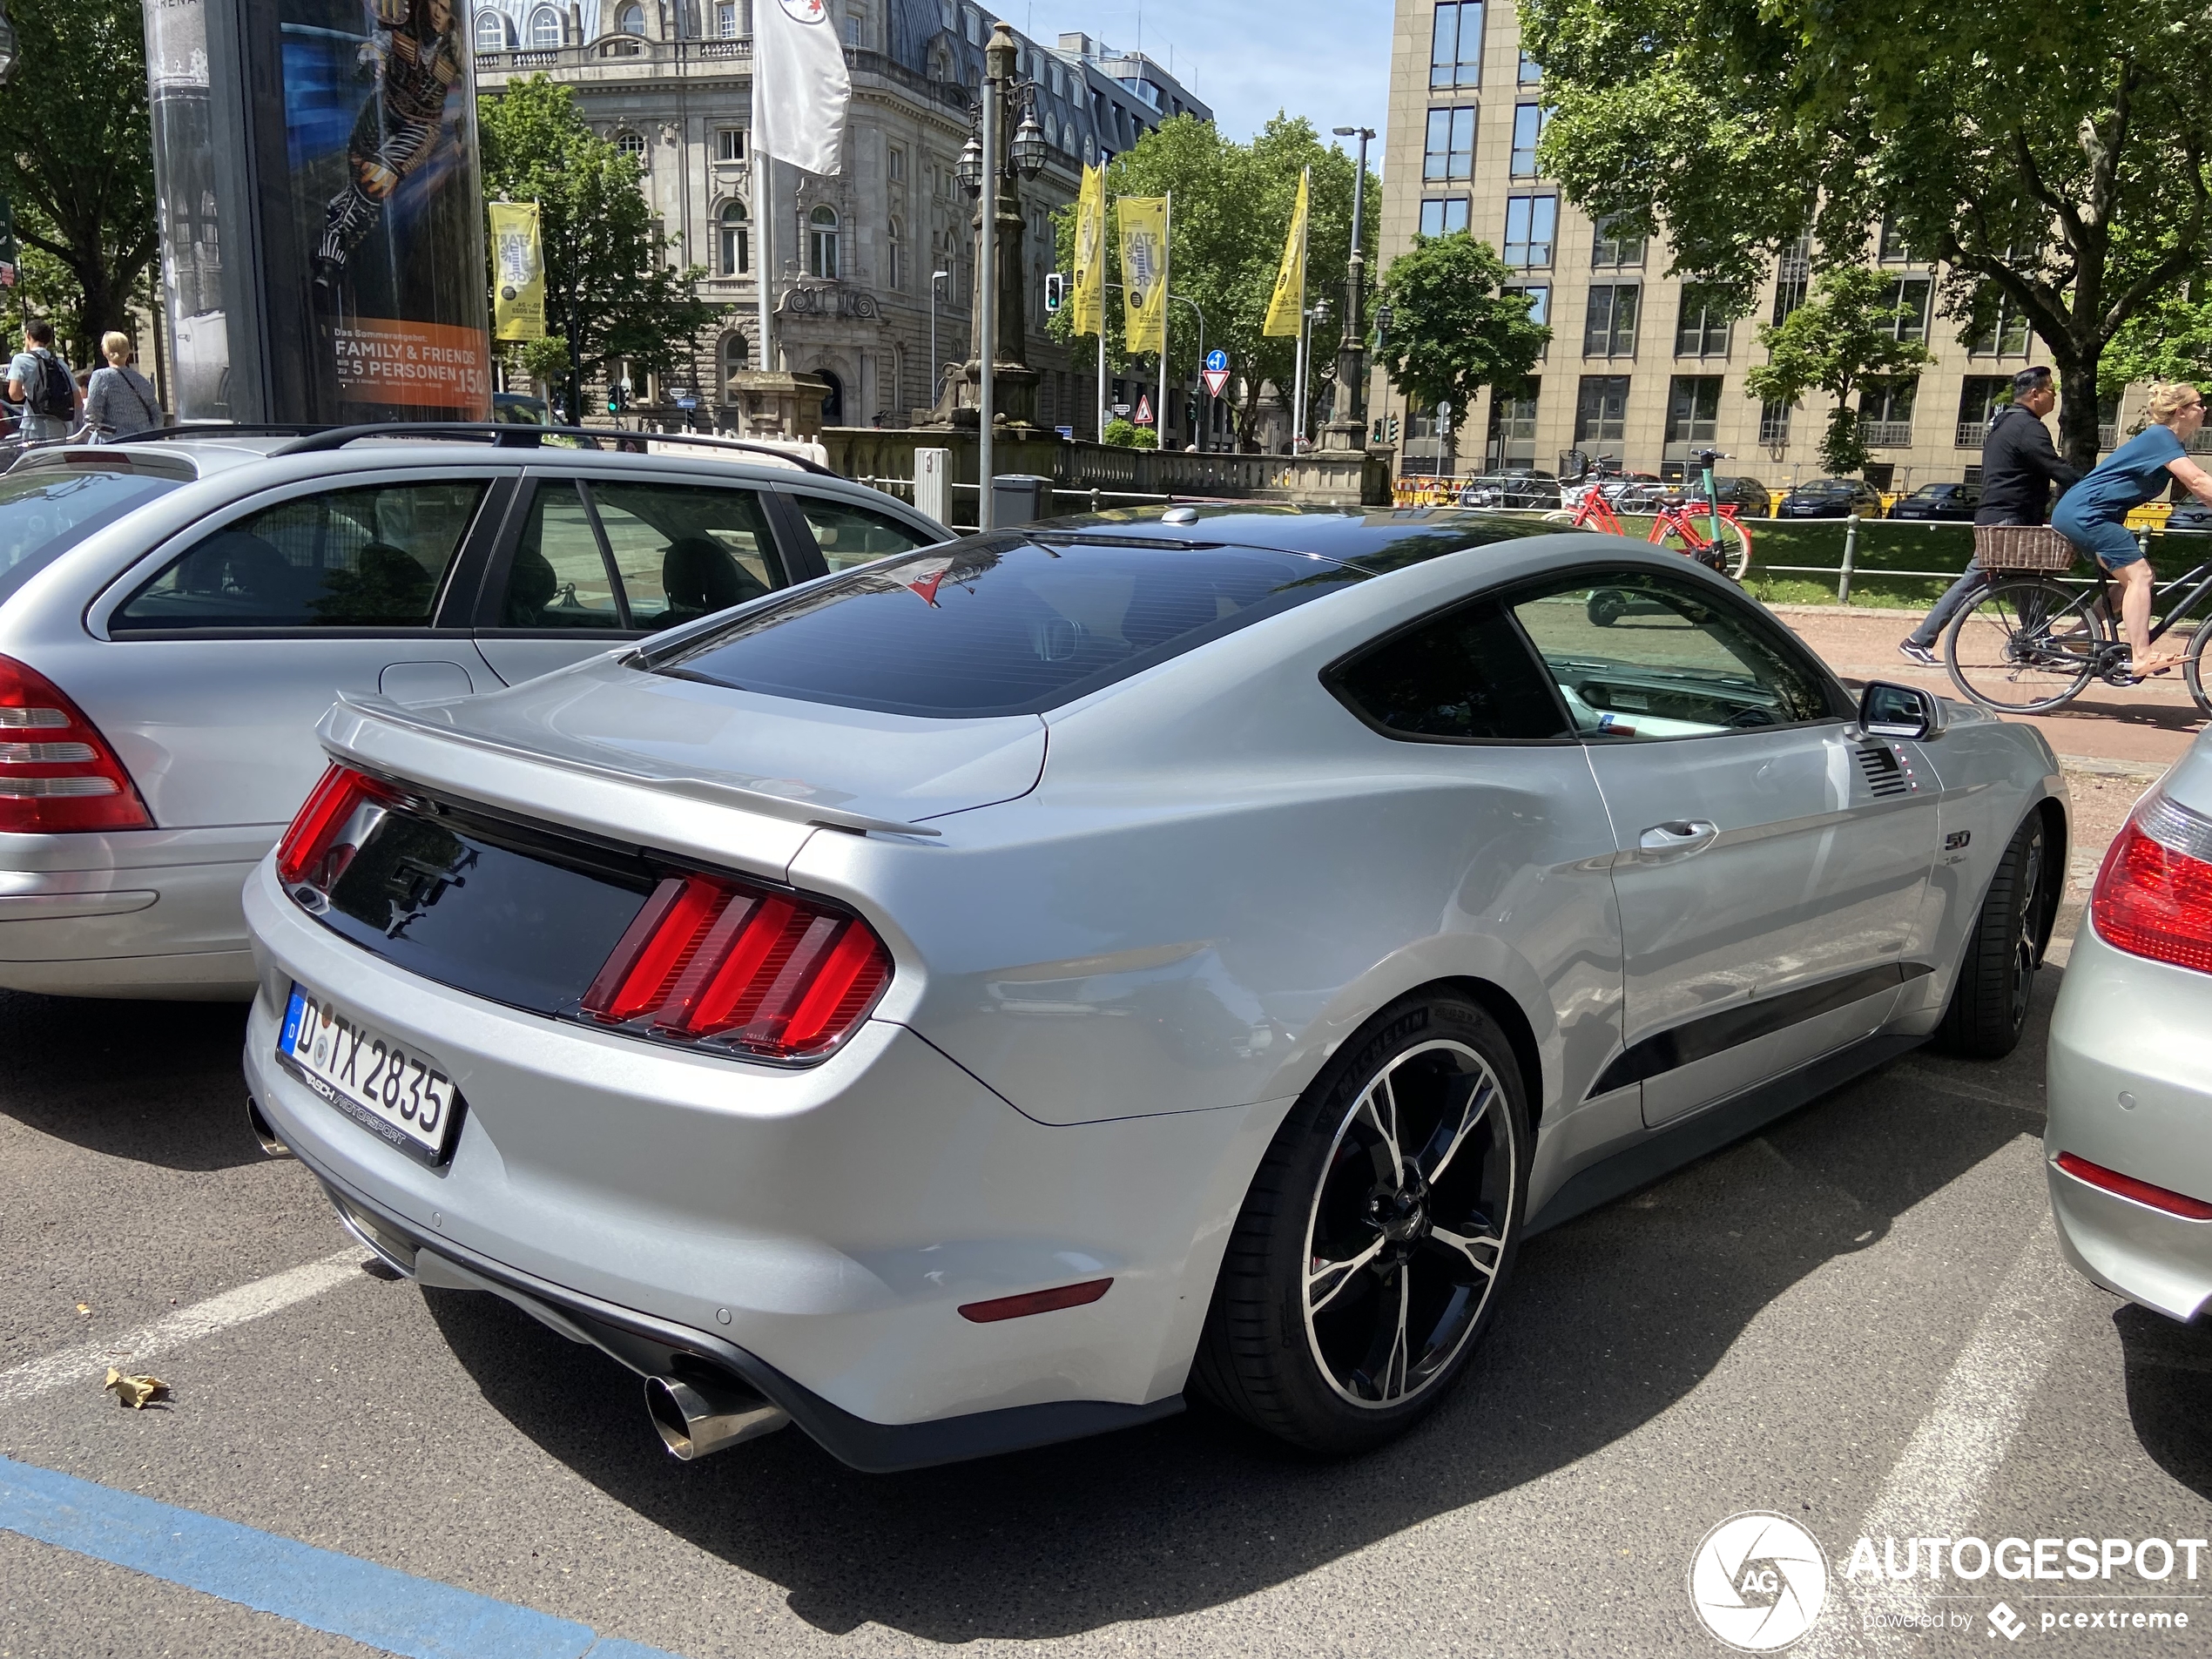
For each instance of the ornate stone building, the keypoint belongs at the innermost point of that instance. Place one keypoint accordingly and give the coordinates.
(670, 81)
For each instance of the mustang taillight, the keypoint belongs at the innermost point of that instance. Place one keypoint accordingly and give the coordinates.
(324, 836)
(57, 773)
(2153, 895)
(711, 961)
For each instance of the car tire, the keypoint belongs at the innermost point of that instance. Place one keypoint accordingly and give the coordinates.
(1325, 1357)
(1989, 1001)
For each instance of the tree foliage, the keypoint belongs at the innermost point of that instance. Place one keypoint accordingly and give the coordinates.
(1232, 211)
(1842, 339)
(609, 289)
(77, 159)
(2169, 340)
(2052, 157)
(1453, 327)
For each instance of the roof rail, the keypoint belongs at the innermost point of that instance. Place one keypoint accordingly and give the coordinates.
(218, 429)
(516, 435)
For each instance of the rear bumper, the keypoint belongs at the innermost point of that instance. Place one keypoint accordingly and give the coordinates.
(152, 914)
(826, 1224)
(2127, 1026)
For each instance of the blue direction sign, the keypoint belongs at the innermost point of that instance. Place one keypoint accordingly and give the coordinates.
(1217, 359)
(1217, 374)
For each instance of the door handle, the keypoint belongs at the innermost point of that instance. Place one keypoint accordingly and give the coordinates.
(1677, 838)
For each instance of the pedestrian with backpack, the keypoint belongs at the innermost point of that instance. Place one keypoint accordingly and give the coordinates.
(119, 401)
(39, 379)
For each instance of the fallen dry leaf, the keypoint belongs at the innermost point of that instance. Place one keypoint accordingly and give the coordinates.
(135, 1392)
(85, 1308)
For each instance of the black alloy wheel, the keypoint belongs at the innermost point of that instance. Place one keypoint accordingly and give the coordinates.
(1996, 983)
(1377, 1237)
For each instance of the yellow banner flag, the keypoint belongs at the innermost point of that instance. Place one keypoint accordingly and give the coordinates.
(518, 310)
(1287, 309)
(1087, 306)
(1144, 271)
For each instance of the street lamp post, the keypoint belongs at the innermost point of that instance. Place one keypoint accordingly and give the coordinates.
(937, 363)
(1345, 428)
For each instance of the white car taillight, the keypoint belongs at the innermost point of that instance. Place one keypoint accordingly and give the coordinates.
(2153, 895)
(57, 773)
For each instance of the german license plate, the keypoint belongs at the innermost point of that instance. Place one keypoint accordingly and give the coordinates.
(380, 1082)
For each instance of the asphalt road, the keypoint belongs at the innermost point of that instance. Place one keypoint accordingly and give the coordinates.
(1854, 1312)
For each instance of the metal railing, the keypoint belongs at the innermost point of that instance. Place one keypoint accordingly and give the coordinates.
(1886, 435)
(1087, 500)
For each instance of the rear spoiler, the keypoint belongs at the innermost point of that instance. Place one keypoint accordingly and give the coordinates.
(349, 728)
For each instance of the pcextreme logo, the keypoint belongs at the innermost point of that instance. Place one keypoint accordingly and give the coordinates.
(1758, 1581)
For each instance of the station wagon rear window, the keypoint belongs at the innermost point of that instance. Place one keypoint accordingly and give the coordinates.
(45, 511)
(999, 625)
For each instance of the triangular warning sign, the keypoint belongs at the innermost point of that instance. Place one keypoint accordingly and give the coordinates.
(1144, 409)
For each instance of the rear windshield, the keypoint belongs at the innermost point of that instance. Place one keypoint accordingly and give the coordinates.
(1000, 625)
(45, 512)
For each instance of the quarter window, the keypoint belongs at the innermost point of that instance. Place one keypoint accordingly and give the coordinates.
(350, 558)
(559, 579)
(683, 553)
(850, 535)
(1637, 657)
(1464, 677)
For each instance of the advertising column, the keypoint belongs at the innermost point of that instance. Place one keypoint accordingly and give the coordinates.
(322, 234)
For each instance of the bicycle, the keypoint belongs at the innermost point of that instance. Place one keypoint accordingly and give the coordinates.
(2026, 643)
(1721, 543)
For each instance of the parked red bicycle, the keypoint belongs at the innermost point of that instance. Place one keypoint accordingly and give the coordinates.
(1710, 534)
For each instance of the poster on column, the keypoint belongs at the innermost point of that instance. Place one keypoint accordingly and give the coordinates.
(387, 209)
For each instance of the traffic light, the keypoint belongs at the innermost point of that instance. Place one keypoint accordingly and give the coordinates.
(1055, 289)
(1393, 430)
(618, 398)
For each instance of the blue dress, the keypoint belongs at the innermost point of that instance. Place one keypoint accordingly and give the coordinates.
(2092, 515)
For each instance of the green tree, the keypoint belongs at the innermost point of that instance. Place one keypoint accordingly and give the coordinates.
(610, 290)
(1233, 210)
(1841, 340)
(2169, 340)
(77, 158)
(1454, 328)
(2053, 157)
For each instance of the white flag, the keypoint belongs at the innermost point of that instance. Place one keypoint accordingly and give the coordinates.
(799, 84)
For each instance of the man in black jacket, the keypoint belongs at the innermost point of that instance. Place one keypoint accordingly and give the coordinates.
(2019, 465)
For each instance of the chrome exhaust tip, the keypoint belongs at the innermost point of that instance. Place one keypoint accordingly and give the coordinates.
(697, 1419)
(270, 1144)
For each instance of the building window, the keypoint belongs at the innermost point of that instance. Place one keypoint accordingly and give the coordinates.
(1909, 297)
(631, 145)
(2005, 336)
(1616, 246)
(735, 356)
(631, 20)
(728, 143)
(1531, 72)
(852, 33)
(1540, 301)
(895, 163)
(1513, 427)
(821, 242)
(726, 19)
(1444, 217)
(491, 32)
(1456, 48)
(1610, 325)
(1693, 411)
(737, 240)
(1531, 222)
(1450, 155)
(545, 29)
(898, 256)
(1704, 326)
(1885, 414)
(1792, 278)
(1774, 425)
(1893, 250)
(1601, 409)
(1527, 127)
(1979, 398)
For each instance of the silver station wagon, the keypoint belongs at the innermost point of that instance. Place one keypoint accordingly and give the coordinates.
(975, 999)
(177, 612)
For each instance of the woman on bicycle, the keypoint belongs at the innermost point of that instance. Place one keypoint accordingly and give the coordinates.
(2092, 515)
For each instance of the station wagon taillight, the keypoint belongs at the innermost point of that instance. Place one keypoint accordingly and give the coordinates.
(324, 836)
(2153, 895)
(714, 962)
(57, 773)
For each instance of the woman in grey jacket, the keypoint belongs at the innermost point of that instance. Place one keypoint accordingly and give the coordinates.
(119, 401)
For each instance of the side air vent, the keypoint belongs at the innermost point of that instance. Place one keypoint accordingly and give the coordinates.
(1885, 773)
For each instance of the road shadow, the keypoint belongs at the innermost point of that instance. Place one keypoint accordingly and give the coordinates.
(156, 1083)
(1614, 1319)
(2169, 1392)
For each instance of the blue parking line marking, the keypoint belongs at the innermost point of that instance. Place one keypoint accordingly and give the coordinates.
(376, 1605)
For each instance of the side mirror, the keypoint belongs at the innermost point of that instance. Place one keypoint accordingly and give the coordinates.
(1888, 711)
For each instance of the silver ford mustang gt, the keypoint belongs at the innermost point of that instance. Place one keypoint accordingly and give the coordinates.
(976, 999)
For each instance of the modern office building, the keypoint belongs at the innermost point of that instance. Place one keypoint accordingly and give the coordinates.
(1639, 368)
(670, 81)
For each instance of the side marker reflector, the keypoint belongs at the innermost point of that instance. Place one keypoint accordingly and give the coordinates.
(2127, 1186)
(1020, 1308)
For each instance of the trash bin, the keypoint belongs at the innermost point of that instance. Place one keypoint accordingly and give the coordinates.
(1020, 498)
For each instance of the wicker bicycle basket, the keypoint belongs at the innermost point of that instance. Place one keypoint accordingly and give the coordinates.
(2021, 547)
